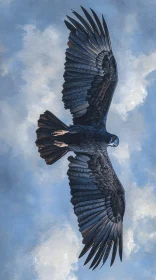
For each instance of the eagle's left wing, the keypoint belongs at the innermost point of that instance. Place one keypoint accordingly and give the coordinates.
(99, 203)
(90, 70)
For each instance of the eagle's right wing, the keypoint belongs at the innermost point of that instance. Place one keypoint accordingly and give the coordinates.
(90, 70)
(99, 203)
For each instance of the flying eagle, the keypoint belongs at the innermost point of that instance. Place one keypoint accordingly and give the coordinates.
(90, 80)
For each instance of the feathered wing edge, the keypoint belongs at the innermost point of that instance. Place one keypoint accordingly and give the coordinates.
(98, 32)
(107, 235)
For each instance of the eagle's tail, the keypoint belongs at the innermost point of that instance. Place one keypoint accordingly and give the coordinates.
(48, 124)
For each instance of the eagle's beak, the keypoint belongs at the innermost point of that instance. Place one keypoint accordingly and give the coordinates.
(114, 143)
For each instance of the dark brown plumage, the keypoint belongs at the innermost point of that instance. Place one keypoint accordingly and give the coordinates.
(97, 194)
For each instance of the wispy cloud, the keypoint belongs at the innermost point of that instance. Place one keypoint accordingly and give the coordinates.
(40, 64)
(56, 257)
(132, 89)
(42, 58)
(141, 209)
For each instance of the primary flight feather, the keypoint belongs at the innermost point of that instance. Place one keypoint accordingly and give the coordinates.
(90, 80)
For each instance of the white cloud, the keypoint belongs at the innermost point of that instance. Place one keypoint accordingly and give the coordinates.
(140, 213)
(144, 204)
(129, 243)
(56, 257)
(42, 56)
(132, 87)
(121, 153)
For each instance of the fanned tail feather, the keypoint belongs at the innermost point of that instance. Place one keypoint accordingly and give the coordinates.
(48, 123)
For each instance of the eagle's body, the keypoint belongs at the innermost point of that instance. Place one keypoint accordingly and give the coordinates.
(90, 80)
(89, 139)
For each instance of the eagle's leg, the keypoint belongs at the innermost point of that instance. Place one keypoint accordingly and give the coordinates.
(64, 137)
(60, 144)
(72, 130)
(59, 132)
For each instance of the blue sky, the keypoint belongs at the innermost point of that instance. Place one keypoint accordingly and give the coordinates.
(39, 237)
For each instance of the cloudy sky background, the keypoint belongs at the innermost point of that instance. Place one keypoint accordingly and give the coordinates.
(39, 237)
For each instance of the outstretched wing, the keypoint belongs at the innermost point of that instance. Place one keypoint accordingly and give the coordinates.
(99, 203)
(90, 69)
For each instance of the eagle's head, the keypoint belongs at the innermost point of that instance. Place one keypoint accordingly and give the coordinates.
(113, 141)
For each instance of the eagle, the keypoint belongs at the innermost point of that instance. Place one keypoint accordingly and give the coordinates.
(90, 79)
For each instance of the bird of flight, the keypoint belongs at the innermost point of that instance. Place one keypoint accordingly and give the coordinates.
(97, 194)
